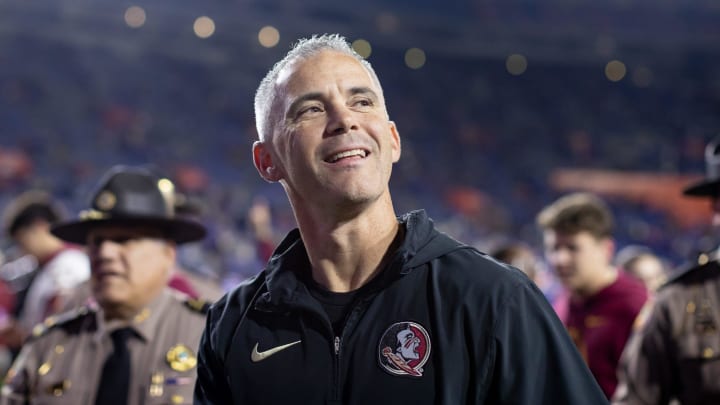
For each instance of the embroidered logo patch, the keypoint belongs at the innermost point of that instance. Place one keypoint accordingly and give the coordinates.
(404, 349)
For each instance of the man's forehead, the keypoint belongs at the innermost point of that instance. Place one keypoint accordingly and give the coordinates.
(304, 70)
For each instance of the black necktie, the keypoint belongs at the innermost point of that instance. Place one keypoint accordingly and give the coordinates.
(115, 379)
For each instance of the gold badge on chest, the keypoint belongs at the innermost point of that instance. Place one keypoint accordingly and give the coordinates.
(181, 358)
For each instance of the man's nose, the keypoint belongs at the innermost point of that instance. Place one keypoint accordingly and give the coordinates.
(341, 120)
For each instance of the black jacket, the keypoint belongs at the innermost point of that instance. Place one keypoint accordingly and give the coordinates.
(442, 324)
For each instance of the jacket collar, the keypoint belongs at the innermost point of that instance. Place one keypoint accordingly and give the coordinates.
(283, 282)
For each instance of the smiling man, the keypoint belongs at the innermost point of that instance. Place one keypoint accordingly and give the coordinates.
(137, 344)
(358, 305)
(604, 302)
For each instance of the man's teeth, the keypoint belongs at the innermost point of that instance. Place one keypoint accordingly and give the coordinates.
(348, 153)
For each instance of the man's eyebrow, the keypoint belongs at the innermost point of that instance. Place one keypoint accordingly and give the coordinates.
(363, 90)
(305, 97)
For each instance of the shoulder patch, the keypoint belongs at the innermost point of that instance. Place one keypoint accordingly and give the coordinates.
(197, 305)
(59, 320)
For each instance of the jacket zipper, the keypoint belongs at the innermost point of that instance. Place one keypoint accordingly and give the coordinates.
(336, 385)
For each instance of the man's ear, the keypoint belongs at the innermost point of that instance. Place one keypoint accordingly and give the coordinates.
(396, 144)
(263, 160)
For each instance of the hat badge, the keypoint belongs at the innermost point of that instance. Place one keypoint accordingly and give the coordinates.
(106, 200)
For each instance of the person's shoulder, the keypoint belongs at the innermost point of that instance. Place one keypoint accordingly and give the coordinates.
(699, 272)
(71, 320)
(197, 306)
(238, 298)
(187, 306)
(468, 266)
(71, 255)
(69, 260)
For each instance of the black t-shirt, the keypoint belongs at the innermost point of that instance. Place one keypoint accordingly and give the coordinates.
(337, 305)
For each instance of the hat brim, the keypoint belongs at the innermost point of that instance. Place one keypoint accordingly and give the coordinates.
(703, 189)
(177, 230)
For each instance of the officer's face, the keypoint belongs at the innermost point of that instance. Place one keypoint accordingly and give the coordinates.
(579, 259)
(130, 267)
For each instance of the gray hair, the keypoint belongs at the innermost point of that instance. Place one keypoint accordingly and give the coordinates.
(302, 49)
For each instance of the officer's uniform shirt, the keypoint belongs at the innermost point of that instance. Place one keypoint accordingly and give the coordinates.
(63, 363)
(676, 354)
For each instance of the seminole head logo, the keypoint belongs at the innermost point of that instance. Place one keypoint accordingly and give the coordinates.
(404, 349)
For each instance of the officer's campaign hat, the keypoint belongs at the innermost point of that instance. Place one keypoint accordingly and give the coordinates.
(132, 196)
(710, 186)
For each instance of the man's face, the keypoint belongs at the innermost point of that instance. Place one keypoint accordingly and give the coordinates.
(32, 238)
(333, 142)
(579, 259)
(130, 266)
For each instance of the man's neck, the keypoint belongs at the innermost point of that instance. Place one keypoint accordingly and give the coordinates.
(602, 281)
(346, 254)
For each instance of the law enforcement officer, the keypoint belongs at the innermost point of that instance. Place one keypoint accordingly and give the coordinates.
(136, 345)
(676, 354)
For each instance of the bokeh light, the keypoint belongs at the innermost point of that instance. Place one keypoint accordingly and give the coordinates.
(268, 36)
(386, 23)
(204, 27)
(415, 58)
(362, 47)
(615, 70)
(135, 17)
(516, 64)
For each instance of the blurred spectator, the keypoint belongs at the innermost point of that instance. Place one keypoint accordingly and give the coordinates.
(577, 234)
(184, 279)
(60, 267)
(641, 263)
(518, 255)
(260, 226)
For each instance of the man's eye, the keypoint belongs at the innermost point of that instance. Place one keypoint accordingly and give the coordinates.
(363, 103)
(309, 110)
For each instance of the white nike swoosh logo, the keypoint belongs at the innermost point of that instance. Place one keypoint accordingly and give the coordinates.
(256, 356)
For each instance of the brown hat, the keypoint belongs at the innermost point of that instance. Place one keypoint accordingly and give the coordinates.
(132, 196)
(710, 186)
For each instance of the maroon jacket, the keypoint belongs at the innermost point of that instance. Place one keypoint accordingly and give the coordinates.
(601, 325)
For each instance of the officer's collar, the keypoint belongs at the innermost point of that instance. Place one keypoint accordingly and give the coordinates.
(143, 322)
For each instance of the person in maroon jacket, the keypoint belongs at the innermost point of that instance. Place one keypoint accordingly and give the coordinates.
(604, 302)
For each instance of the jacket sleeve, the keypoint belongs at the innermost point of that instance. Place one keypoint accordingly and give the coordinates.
(211, 386)
(536, 362)
(647, 374)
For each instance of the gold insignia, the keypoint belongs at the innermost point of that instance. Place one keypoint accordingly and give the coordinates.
(157, 378)
(59, 388)
(59, 349)
(143, 315)
(106, 200)
(38, 330)
(177, 399)
(181, 358)
(87, 215)
(197, 305)
(703, 259)
(44, 368)
(708, 353)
